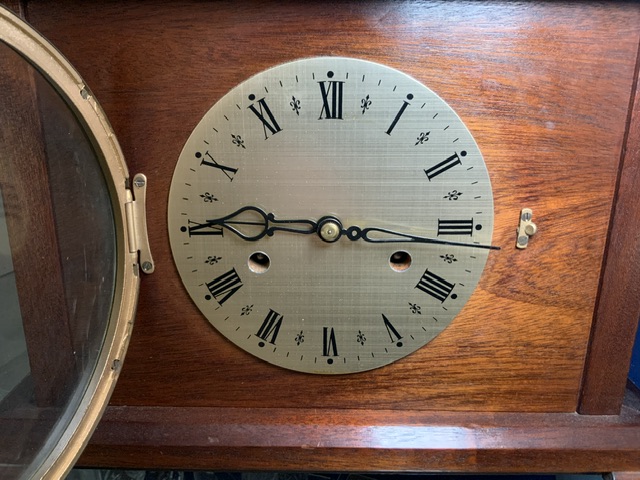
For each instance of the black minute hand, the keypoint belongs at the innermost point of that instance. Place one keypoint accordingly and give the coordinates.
(330, 229)
(355, 233)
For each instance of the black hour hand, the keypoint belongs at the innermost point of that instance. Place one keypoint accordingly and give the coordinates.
(252, 223)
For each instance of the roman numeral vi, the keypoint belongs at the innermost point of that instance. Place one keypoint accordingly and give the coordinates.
(270, 327)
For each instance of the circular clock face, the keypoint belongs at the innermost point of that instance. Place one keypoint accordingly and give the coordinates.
(330, 215)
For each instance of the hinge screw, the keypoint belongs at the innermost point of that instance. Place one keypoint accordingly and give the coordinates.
(139, 182)
(147, 266)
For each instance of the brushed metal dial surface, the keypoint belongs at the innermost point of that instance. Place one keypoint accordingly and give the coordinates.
(338, 137)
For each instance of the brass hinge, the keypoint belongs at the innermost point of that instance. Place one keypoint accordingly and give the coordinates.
(136, 213)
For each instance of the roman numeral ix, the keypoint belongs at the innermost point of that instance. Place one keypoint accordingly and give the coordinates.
(195, 228)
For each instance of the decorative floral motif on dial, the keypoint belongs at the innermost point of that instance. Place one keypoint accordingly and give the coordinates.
(295, 105)
(208, 198)
(453, 195)
(237, 141)
(423, 137)
(365, 103)
(212, 260)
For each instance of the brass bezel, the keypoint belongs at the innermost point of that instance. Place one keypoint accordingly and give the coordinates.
(65, 79)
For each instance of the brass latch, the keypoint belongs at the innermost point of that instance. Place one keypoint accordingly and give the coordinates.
(526, 228)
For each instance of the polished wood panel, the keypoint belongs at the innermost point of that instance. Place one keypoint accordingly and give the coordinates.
(356, 440)
(617, 313)
(544, 87)
(545, 108)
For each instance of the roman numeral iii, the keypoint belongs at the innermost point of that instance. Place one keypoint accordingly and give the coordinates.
(455, 227)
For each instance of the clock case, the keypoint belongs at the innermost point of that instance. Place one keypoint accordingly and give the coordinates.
(532, 375)
(76, 231)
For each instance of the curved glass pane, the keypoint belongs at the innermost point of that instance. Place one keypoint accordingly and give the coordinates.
(57, 265)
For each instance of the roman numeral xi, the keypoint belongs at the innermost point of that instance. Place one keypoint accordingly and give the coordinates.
(264, 114)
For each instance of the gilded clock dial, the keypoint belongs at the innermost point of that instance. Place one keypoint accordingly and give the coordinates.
(330, 215)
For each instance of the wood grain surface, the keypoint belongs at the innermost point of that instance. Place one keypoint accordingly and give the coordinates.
(543, 87)
(618, 309)
(356, 440)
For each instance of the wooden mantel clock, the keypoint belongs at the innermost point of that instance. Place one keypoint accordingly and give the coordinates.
(386, 236)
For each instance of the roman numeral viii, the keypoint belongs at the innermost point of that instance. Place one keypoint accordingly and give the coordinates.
(436, 286)
(223, 287)
(270, 327)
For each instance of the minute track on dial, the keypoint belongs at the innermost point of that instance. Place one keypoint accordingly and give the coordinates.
(328, 228)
